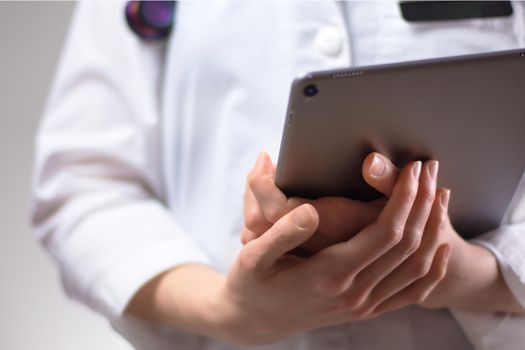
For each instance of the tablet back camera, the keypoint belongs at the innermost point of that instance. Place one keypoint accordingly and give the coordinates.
(310, 90)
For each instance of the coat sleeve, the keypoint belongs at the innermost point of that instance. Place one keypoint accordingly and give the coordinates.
(97, 186)
(488, 331)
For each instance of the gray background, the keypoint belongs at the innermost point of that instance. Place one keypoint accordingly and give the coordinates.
(34, 313)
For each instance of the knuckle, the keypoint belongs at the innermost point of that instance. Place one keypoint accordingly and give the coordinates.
(354, 301)
(360, 296)
(329, 285)
(393, 234)
(411, 243)
(428, 196)
(420, 268)
(329, 278)
(273, 214)
(409, 192)
(419, 296)
(245, 236)
(247, 260)
(252, 219)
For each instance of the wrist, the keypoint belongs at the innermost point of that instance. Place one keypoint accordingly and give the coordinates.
(242, 321)
(494, 293)
(199, 303)
(223, 316)
(234, 322)
(183, 298)
(476, 276)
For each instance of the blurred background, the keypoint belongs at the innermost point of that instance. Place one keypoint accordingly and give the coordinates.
(34, 312)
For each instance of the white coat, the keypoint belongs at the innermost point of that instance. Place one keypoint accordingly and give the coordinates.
(142, 154)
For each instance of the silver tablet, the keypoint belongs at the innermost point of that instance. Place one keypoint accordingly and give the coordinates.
(468, 112)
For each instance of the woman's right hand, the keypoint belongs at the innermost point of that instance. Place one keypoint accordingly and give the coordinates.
(340, 218)
(269, 294)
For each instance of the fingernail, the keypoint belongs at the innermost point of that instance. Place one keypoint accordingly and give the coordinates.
(416, 170)
(378, 166)
(303, 216)
(433, 167)
(444, 198)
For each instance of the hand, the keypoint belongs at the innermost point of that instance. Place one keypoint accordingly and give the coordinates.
(340, 218)
(466, 260)
(472, 280)
(341, 283)
(357, 279)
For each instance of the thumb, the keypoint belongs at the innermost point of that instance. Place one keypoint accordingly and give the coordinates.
(380, 173)
(288, 233)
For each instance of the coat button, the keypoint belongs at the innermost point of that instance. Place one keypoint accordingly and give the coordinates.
(329, 41)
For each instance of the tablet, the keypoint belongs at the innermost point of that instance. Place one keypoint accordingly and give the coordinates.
(468, 112)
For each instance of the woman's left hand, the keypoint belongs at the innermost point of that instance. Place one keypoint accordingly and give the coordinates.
(438, 231)
(472, 279)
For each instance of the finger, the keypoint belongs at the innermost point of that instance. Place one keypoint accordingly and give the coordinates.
(417, 265)
(286, 234)
(423, 204)
(254, 219)
(273, 203)
(393, 218)
(417, 292)
(342, 214)
(247, 235)
(348, 258)
(367, 281)
(339, 220)
(380, 173)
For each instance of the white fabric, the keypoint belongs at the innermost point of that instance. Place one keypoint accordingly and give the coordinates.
(143, 151)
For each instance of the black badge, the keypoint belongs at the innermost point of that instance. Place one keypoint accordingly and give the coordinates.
(417, 11)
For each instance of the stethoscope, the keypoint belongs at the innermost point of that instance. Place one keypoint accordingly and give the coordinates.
(151, 20)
